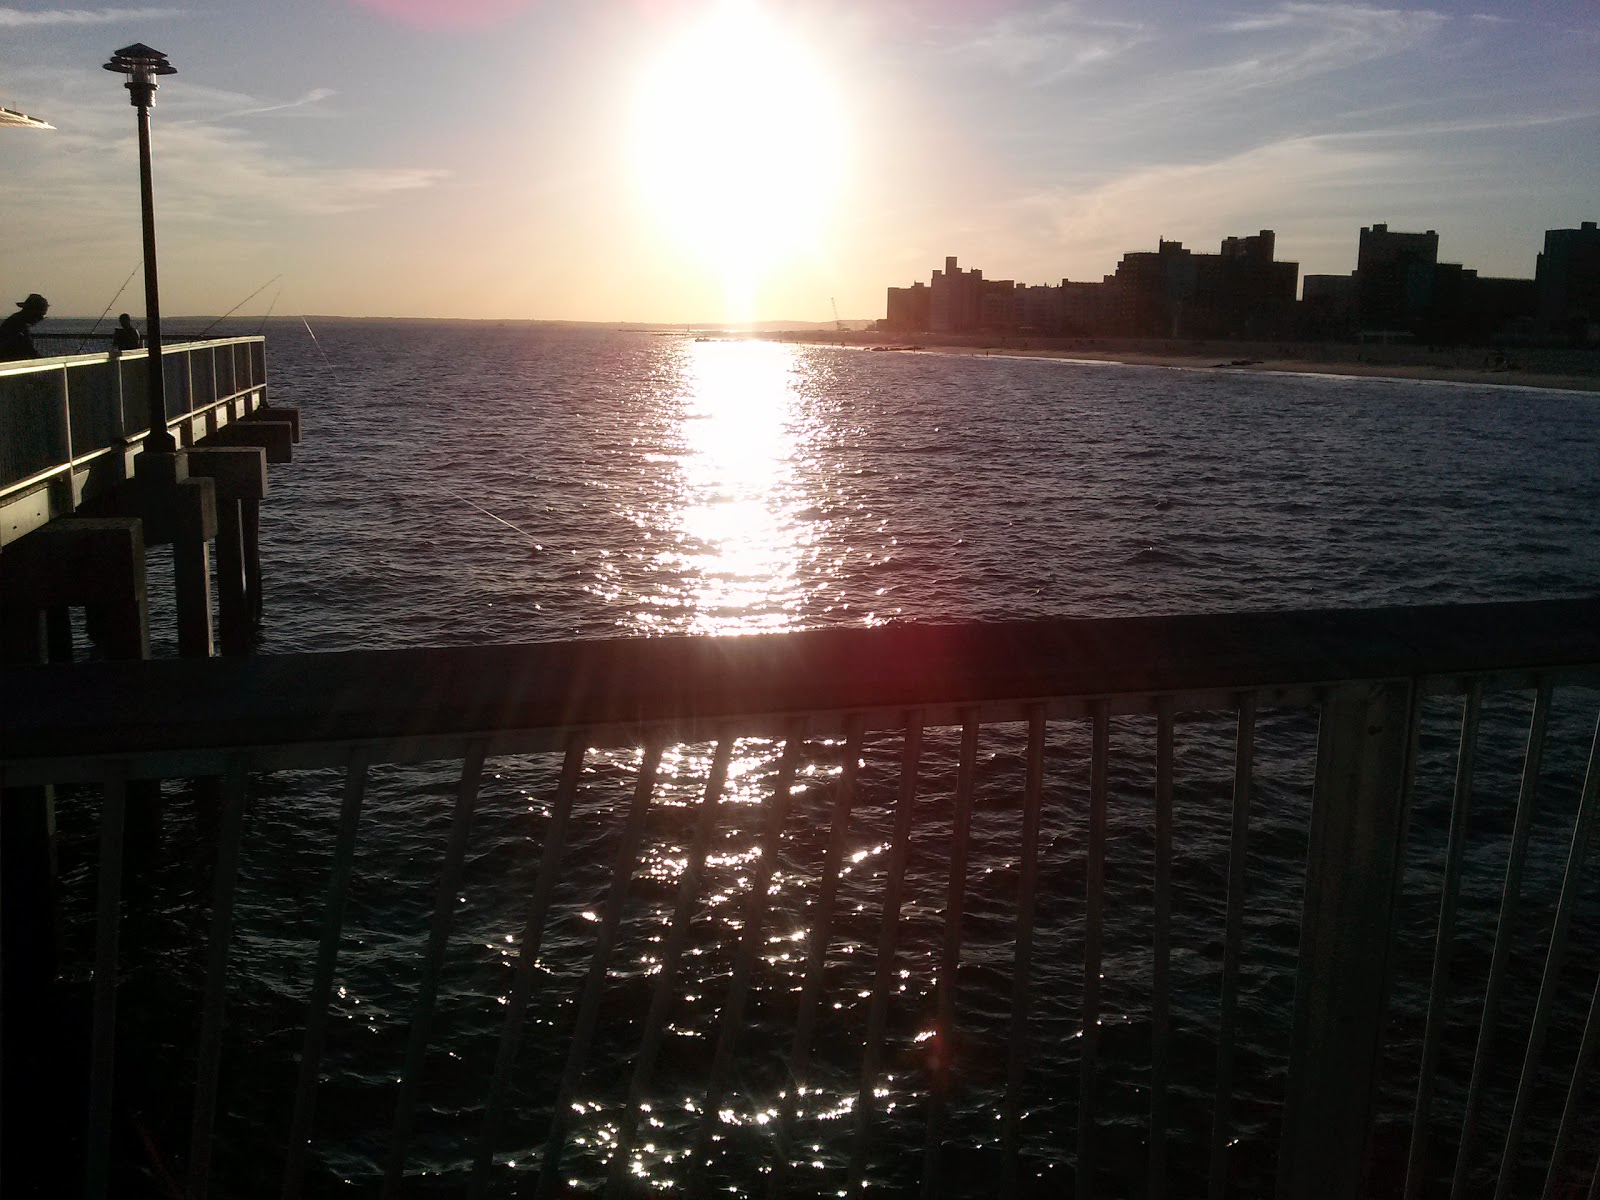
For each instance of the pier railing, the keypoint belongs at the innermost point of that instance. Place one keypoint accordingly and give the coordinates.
(1363, 680)
(71, 426)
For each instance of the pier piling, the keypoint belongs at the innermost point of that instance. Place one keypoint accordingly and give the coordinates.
(239, 476)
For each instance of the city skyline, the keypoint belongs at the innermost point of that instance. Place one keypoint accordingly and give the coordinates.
(716, 161)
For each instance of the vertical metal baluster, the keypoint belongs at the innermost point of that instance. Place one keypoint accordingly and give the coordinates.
(883, 981)
(1580, 1074)
(1094, 887)
(1021, 983)
(943, 1042)
(1444, 944)
(817, 953)
(677, 936)
(1233, 935)
(438, 935)
(209, 1056)
(1161, 971)
(103, 1049)
(1510, 897)
(594, 983)
(749, 945)
(1570, 887)
(305, 1092)
(555, 840)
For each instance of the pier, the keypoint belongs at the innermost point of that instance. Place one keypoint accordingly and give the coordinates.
(1363, 678)
(82, 500)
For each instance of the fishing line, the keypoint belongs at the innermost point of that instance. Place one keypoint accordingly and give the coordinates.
(262, 328)
(237, 307)
(108, 308)
(502, 521)
(333, 371)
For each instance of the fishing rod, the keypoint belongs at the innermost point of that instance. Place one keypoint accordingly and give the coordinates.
(107, 308)
(238, 306)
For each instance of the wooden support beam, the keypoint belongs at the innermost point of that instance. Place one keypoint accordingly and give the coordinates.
(250, 533)
(238, 472)
(96, 563)
(278, 412)
(58, 633)
(235, 616)
(275, 437)
(195, 525)
(1352, 872)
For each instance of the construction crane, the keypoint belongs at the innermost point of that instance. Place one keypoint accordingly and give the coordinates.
(838, 325)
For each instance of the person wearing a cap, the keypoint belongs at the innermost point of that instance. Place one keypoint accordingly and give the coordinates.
(16, 338)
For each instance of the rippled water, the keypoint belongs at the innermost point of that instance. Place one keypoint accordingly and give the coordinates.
(498, 483)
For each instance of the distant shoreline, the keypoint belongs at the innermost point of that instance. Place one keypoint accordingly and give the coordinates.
(1540, 367)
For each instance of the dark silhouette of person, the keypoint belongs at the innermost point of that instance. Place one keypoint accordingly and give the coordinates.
(16, 337)
(126, 337)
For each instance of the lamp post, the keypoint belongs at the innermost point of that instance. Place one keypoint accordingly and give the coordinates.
(141, 65)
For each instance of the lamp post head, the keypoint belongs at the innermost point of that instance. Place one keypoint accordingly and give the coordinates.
(141, 65)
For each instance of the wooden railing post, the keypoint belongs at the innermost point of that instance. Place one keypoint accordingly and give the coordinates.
(1352, 868)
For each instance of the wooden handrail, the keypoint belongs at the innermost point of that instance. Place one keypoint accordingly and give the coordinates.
(320, 704)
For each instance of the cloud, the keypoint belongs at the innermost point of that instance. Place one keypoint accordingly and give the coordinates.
(1083, 231)
(1295, 41)
(1049, 43)
(314, 96)
(217, 180)
(12, 18)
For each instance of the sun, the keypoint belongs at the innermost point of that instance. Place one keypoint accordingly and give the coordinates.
(739, 146)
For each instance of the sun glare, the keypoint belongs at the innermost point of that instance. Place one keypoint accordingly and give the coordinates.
(739, 146)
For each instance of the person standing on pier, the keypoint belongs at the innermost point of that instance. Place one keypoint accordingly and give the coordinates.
(16, 337)
(126, 337)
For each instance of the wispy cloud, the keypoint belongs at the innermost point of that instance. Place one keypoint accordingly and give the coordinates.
(14, 18)
(314, 96)
(1083, 231)
(219, 182)
(1295, 41)
(1048, 43)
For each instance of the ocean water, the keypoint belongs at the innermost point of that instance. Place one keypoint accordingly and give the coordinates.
(488, 483)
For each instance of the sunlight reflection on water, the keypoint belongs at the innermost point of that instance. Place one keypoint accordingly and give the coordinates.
(736, 499)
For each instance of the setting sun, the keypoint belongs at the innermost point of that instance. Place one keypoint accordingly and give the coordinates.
(739, 146)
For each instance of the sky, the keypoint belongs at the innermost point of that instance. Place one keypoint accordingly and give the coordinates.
(725, 160)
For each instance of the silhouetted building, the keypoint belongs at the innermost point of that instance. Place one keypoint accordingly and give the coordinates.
(1568, 282)
(1403, 289)
(1242, 292)
(1039, 308)
(1328, 306)
(955, 305)
(1394, 279)
(998, 305)
(1239, 292)
(1496, 308)
(909, 308)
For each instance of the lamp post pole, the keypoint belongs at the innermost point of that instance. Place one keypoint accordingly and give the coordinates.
(141, 64)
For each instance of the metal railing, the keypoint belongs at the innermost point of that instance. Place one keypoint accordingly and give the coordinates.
(70, 426)
(1367, 678)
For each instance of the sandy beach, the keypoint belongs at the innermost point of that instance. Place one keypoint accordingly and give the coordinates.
(1541, 367)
